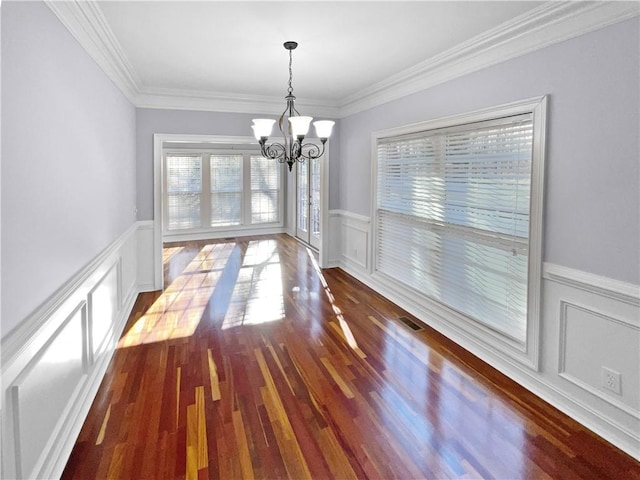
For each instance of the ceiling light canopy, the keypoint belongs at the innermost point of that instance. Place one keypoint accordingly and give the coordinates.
(294, 128)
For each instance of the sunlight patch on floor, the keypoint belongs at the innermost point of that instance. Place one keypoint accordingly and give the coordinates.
(169, 252)
(347, 334)
(178, 311)
(257, 296)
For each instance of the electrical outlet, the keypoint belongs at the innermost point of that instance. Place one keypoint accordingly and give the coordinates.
(611, 380)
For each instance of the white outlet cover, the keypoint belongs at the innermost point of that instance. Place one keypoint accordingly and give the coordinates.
(611, 380)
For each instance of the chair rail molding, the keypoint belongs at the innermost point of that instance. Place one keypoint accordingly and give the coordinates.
(589, 282)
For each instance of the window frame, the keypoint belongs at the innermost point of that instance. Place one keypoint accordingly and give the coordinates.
(206, 230)
(526, 353)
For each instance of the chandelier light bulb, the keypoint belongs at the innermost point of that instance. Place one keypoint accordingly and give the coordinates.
(255, 132)
(262, 127)
(323, 128)
(300, 125)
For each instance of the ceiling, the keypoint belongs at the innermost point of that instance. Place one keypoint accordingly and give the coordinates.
(215, 55)
(236, 47)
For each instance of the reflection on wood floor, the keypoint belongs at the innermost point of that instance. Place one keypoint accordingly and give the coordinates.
(255, 364)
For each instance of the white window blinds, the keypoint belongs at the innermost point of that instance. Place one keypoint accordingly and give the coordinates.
(452, 216)
(184, 186)
(265, 190)
(226, 190)
(230, 189)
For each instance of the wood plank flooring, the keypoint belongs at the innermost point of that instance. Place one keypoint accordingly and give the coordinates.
(255, 364)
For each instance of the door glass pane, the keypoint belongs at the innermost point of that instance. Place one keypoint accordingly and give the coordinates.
(303, 197)
(315, 198)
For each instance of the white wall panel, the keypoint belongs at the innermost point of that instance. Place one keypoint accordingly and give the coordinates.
(103, 301)
(145, 256)
(43, 390)
(591, 340)
(335, 238)
(129, 264)
(50, 374)
(350, 235)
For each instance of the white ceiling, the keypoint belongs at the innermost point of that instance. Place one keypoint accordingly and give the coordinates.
(228, 56)
(236, 47)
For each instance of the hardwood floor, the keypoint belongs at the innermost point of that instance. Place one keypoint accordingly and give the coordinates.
(254, 364)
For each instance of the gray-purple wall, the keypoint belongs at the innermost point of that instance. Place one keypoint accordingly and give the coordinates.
(592, 211)
(68, 159)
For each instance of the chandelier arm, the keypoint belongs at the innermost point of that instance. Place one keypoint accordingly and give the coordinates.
(311, 151)
(274, 151)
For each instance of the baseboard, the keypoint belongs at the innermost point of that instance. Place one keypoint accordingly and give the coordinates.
(217, 234)
(54, 361)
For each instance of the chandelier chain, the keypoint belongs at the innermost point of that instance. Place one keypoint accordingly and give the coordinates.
(290, 90)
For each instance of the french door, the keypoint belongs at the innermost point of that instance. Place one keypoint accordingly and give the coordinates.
(308, 202)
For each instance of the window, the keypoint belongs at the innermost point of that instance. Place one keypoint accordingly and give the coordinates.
(184, 184)
(265, 189)
(226, 190)
(220, 191)
(453, 207)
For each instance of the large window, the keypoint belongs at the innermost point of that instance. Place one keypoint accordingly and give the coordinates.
(220, 191)
(453, 210)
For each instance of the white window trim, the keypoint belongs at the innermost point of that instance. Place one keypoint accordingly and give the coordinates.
(212, 232)
(527, 353)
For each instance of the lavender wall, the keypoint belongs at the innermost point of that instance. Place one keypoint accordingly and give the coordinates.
(592, 212)
(68, 159)
(152, 121)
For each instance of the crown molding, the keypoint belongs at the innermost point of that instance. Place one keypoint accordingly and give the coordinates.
(175, 99)
(552, 22)
(86, 22)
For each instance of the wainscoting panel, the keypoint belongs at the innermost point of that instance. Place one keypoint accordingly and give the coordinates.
(53, 375)
(591, 340)
(591, 323)
(147, 278)
(103, 304)
(334, 252)
(354, 234)
(54, 361)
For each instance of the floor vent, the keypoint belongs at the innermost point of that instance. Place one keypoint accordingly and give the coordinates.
(411, 324)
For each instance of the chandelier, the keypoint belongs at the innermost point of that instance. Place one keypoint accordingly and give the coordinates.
(294, 128)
